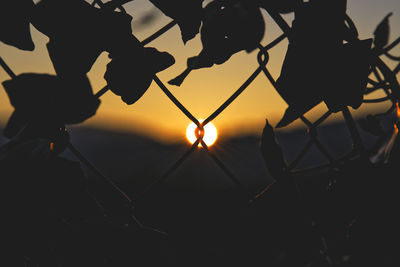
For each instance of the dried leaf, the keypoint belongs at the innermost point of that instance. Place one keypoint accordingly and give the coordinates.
(75, 36)
(272, 152)
(228, 27)
(14, 20)
(48, 102)
(76, 43)
(381, 32)
(351, 76)
(314, 52)
(129, 76)
(187, 13)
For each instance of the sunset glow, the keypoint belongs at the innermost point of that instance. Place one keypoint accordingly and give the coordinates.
(210, 133)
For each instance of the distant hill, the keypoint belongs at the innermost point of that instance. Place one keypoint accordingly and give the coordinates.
(136, 160)
(209, 222)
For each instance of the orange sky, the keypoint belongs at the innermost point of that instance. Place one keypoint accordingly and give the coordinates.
(204, 90)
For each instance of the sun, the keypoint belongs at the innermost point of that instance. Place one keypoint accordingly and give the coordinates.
(210, 133)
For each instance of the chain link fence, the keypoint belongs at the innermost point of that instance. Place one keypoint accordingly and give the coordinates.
(388, 84)
(381, 78)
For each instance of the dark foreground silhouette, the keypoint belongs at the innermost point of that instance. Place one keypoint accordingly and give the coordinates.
(56, 214)
(340, 214)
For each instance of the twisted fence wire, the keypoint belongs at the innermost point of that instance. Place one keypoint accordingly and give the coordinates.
(387, 83)
(262, 58)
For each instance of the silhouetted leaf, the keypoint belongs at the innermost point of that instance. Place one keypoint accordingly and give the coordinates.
(79, 33)
(15, 123)
(130, 75)
(281, 6)
(228, 27)
(74, 32)
(272, 152)
(187, 13)
(352, 71)
(372, 125)
(14, 21)
(381, 33)
(311, 69)
(49, 102)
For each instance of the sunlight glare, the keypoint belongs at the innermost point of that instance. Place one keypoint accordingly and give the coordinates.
(210, 133)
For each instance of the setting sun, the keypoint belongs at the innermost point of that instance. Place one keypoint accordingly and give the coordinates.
(210, 133)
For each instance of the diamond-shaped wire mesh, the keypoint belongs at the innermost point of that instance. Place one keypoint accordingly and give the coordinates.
(388, 85)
